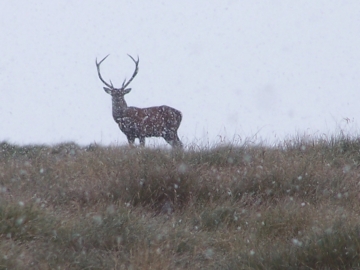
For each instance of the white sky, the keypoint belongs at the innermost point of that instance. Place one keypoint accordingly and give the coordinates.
(234, 68)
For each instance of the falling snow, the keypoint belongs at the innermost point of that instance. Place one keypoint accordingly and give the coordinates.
(255, 71)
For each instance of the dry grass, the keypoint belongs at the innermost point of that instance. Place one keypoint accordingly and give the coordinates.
(290, 206)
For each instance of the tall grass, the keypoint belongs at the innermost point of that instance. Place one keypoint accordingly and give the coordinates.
(294, 205)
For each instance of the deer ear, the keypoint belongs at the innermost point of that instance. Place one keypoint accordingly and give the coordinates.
(107, 90)
(127, 90)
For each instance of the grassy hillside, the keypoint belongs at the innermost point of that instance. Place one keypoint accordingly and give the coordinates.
(295, 205)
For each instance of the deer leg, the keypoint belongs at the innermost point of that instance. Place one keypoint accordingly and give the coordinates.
(142, 141)
(131, 141)
(177, 141)
(172, 139)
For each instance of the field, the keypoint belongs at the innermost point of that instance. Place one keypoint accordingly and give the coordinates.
(294, 205)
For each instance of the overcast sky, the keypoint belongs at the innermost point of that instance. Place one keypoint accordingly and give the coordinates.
(236, 69)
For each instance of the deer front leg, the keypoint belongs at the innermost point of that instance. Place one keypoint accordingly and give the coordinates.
(131, 141)
(142, 141)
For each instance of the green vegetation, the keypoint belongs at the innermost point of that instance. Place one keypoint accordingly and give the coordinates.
(294, 205)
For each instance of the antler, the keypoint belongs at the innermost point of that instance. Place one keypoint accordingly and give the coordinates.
(125, 84)
(98, 70)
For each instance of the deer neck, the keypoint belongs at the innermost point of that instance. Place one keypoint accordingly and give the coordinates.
(119, 106)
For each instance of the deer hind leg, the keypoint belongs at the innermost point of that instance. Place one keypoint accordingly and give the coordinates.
(177, 141)
(172, 138)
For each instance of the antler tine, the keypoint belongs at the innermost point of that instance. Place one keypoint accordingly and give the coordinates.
(125, 84)
(101, 60)
(98, 70)
(136, 62)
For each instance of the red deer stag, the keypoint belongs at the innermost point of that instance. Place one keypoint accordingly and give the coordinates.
(162, 121)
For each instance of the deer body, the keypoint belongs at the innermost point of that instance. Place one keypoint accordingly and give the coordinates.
(161, 121)
(149, 122)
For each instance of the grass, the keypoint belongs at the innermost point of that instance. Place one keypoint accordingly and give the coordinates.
(294, 205)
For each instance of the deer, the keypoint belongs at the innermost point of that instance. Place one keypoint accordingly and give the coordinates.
(160, 121)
